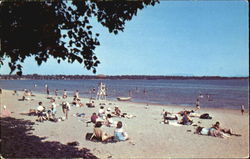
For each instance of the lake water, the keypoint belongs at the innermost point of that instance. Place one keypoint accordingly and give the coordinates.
(216, 93)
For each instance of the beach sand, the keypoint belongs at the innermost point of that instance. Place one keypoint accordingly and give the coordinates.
(22, 136)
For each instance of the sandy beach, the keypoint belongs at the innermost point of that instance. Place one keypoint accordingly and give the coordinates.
(22, 136)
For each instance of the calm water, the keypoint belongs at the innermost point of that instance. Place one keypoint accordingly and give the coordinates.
(222, 93)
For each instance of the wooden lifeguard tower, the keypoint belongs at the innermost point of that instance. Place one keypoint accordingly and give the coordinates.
(101, 92)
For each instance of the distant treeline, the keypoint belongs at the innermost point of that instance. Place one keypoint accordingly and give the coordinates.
(147, 77)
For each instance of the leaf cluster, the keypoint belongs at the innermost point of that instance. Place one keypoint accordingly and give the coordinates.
(59, 29)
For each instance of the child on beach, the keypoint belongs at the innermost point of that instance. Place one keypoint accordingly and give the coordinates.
(65, 108)
(119, 134)
(53, 108)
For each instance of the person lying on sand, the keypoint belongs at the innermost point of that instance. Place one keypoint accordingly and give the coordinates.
(25, 98)
(117, 111)
(99, 134)
(119, 134)
(210, 132)
(168, 116)
(185, 111)
(224, 130)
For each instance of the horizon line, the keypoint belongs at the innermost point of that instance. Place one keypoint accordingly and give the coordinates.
(103, 75)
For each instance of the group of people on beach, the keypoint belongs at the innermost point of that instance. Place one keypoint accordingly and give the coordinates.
(49, 113)
(100, 135)
(105, 118)
(215, 131)
(186, 119)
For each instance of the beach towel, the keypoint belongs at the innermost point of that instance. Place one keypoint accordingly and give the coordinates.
(174, 123)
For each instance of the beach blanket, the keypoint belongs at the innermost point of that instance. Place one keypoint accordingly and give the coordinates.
(174, 123)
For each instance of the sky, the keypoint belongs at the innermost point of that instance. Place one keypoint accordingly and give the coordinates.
(180, 38)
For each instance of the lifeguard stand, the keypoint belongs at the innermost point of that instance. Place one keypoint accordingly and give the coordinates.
(101, 92)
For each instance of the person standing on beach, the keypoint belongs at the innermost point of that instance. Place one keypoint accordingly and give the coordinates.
(242, 109)
(47, 91)
(77, 94)
(65, 108)
(64, 93)
(46, 86)
(56, 92)
(197, 104)
(53, 108)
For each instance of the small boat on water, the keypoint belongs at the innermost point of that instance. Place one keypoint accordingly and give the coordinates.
(123, 98)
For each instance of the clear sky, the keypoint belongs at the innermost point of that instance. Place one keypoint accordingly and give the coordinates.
(194, 38)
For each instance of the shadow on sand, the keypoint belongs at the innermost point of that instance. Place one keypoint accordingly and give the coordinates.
(17, 141)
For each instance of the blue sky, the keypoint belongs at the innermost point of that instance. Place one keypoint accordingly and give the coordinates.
(195, 38)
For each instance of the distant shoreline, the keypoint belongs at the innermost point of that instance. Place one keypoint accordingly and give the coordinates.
(116, 77)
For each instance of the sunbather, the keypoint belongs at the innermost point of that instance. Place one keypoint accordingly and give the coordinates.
(166, 117)
(186, 120)
(210, 132)
(117, 111)
(119, 134)
(99, 134)
(224, 130)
